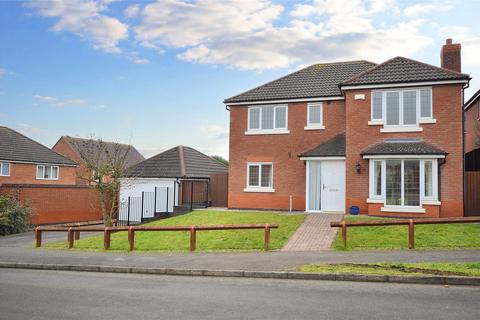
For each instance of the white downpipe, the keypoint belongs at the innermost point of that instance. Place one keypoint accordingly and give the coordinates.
(291, 202)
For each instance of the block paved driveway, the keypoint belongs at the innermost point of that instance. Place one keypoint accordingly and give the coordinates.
(315, 233)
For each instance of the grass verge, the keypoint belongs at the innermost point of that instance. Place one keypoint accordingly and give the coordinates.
(206, 240)
(441, 269)
(439, 236)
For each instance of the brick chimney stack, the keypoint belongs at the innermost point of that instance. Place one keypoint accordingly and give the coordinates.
(450, 56)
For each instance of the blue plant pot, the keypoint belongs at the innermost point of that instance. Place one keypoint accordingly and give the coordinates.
(354, 210)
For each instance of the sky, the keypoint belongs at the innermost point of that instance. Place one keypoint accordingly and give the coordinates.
(155, 73)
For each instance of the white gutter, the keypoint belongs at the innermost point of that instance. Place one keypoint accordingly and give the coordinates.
(401, 84)
(283, 101)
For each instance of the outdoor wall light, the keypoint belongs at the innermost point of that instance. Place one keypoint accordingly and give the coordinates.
(358, 167)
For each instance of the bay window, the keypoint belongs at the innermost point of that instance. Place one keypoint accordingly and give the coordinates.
(405, 182)
(47, 172)
(401, 109)
(267, 119)
(259, 177)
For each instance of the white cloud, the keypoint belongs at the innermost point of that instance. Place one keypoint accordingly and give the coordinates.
(30, 130)
(215, 131)
(243, 34)
(57, 102)
(85, 19)
(132, 11)
(141, 61)
(426, 8)
(4, 72)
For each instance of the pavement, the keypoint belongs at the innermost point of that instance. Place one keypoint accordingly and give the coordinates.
(27, 294)
(19, 249)
(314, 234)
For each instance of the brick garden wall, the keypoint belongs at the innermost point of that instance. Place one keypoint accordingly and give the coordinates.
(57, 203)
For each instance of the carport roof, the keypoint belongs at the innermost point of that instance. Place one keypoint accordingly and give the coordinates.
(177, 162)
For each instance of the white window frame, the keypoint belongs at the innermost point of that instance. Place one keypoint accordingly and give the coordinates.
(315, 126)
(424, 200)
(51, 170)
(275, 130)
(259, 188)
(401, 127)
(2, 164)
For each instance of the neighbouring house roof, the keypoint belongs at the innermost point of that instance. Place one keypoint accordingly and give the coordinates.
(399, 147)
(334, 147)
(177, 162)
(470, 101)
(15, 146)
(318, 80)
(401, 70)
(84, 147)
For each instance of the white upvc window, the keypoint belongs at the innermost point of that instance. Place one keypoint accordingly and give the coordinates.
(314, 116)
(401, 110)
(259, 177)
(403, 183)
(5, 169)
(45, 172)
(269, 119)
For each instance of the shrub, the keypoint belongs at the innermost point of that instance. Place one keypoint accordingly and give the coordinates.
(14, 216)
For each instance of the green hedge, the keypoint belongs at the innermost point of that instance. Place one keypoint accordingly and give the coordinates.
(14, 216)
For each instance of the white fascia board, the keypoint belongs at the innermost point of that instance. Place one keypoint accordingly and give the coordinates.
(406, 156)
(40, 163)
(283, 101)
(322, 158)
(402, 84)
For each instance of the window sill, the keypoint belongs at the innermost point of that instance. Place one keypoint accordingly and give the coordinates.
(431, 202)
(46, 179)
(2, 175)
(375, 123)
(260, 132)
(314, 128)
(258, 189)
(403, 209)
(428, 121)
(370, 200)
(400, 129)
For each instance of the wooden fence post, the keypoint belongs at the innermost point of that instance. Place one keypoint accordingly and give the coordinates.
(193, 238)
(411, 234)
(131, 238)
(77, 235)
(38, 237)
(344, 233)
(70, 238)
(267, 237)
(106, 238)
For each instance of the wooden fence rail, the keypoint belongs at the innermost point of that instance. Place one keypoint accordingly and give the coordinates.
(410, 222)
(73, 233)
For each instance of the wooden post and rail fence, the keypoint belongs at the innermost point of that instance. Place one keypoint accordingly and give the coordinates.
(73, 233)
(409, 222)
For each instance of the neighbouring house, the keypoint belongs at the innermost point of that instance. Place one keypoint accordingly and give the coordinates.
(45, 180)
(472, 133)
(25, 161)
(176, 177)
(386, 138)
(77, 149)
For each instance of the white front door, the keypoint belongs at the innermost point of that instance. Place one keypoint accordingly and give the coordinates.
(325, 186)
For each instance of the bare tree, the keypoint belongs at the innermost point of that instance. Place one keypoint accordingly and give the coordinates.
(106, 163)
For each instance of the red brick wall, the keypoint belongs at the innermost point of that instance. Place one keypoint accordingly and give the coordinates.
(445, 134)
(27, 173)
(64, 148)
(282, 150)
(56, 203)
(472, 121)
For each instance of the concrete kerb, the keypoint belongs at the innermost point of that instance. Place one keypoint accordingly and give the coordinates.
(436, 280)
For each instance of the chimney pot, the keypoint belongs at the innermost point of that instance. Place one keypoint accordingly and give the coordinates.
(450, 56)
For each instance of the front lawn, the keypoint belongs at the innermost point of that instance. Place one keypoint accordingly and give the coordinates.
(206, 240)
(437, 268)
(435, 236)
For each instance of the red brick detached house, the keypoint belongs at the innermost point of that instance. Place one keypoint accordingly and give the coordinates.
(386, 138)
(77, 148)
(25, 161)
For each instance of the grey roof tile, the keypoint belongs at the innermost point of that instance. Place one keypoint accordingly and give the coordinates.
(318, 80)
(178, 162)
(90, 146)
(403, 148)
(400, 69)
(15, 146)
(334, 147)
